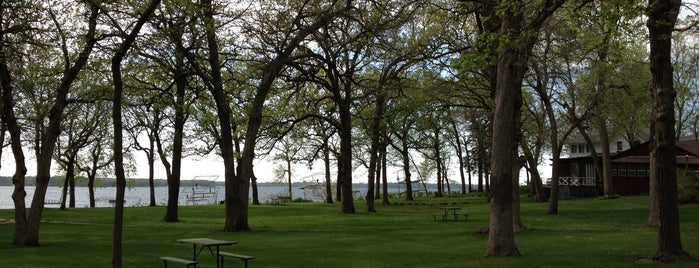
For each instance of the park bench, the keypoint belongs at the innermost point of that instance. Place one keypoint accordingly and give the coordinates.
(243, 258)
(187, 263)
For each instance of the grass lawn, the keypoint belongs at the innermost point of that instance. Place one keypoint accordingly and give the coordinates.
(586, 233)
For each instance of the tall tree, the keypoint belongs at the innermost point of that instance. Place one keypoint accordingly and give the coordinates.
(123, 48)
(81, 124)
(166, 49)
(662, 16)
(27, 226)
(520, 24)
(297, 26)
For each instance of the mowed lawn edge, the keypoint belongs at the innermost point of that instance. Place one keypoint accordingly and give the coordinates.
(586, 233)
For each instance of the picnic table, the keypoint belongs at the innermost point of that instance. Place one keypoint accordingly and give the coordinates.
(207, 243)
(446, 211)
(279, 199)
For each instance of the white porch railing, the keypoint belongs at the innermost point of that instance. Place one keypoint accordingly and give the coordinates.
(574, 181)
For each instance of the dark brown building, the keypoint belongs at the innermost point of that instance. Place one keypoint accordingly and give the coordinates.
(630, 170)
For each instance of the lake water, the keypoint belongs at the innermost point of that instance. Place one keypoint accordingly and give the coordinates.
(140, 196)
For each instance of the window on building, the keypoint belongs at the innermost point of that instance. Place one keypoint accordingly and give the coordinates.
(622, 170)
(631, 170)
(642, 170)
(619, 146)
(573, 149)
(614, 170)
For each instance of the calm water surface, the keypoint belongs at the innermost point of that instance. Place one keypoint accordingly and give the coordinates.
(140, 196)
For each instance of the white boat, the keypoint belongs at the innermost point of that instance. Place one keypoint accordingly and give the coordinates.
(202, 191)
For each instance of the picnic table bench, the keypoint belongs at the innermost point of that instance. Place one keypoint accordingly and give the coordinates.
(244, 258)
(187, 263)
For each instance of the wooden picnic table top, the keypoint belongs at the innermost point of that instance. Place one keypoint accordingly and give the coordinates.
(206, 242)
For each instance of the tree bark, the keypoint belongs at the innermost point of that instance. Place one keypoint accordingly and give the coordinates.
(118, 129)
(662, 15)
(517, 223)
(507, 104)
(606, 157)
(512, 63)
(405, 156)
(384, 163)
(459, 155)
(374, 155)
(174, 176)
(654, 204)
(436, 147)
(328, 181)
(10, 122)
(27, 228)
(345, 159)
(288, 173)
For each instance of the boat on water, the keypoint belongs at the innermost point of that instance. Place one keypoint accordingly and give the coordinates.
(202, 191)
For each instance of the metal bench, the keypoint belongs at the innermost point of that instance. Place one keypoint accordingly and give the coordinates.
(243, 258)
(187, 263)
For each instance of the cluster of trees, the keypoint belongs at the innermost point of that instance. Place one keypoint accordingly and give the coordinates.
(357, 82)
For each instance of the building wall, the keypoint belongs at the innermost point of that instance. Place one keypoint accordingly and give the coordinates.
(578, 149)
(631, 186)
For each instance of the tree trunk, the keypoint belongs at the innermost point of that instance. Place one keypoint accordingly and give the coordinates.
(438, 161)
(459, 155)
(255, 193)
(118, 130)
(64, 193)
(288, 172)
(328, 180)
(118, 159)
(71, 181)
(91, 188)
(606, 171)
(469, 171)
(223, 110)
(338, 186)
(345, 159)
(508, 100)
(662, 15)
(553, 194)
(9, 122)
(405, 154)
(481, 166)
(3, 130)
(654, 206)
(606, 157)
(384, 163)
(517, 224)
(30, 226)
(151, 172)
(374, 150)
(511, 67)
(377, 178)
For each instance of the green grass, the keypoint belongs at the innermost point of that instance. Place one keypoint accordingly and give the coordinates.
(586, 233)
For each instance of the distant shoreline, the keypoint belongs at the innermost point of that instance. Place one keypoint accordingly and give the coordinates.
(82, 182)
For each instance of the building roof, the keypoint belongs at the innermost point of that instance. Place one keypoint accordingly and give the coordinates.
(643, 135)
(687, 153)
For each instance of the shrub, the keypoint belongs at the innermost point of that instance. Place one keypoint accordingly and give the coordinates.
(687, 186)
